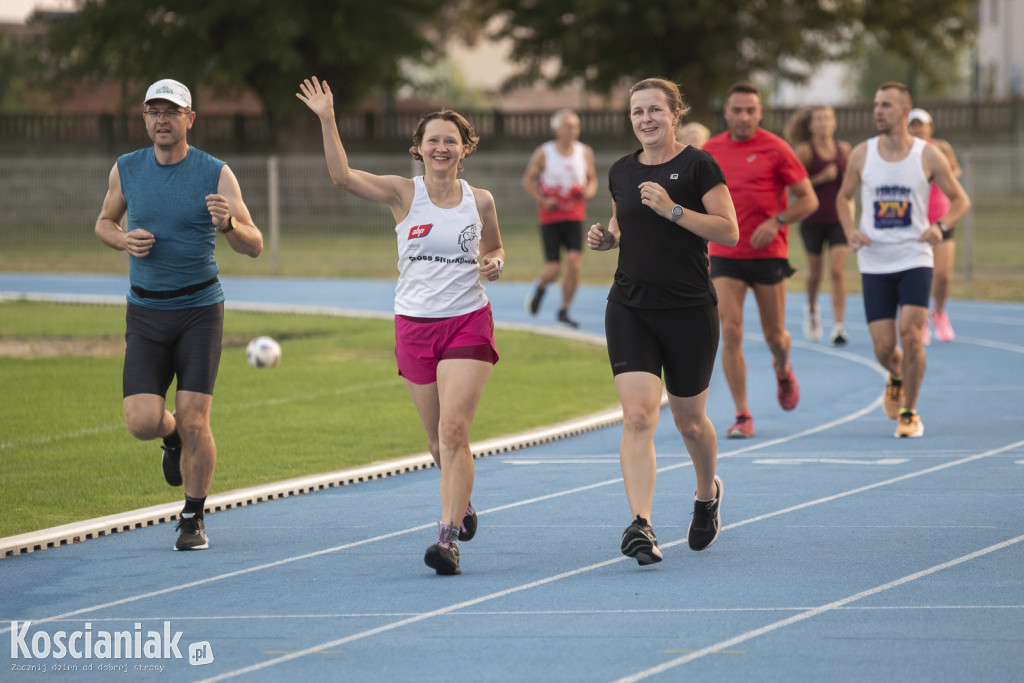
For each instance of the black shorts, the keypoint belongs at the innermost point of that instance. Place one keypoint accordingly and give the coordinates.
(815, 236)
(754, 271)
(554, 236)
(162, 344)
(682, 342)
(884, 293)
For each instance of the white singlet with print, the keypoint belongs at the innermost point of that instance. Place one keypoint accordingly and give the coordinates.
(437, 257)
(564, 177)
(894, 212)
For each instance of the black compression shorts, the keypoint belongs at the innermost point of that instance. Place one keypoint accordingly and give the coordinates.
(162, 344)
(815, 236)
(554, 236)
(754, 271)
(682, 342)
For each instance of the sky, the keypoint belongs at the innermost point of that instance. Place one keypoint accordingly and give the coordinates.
(16, 11)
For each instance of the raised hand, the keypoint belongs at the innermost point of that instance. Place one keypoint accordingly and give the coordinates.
(317, 96)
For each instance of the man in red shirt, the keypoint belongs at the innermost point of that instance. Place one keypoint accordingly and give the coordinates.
(759, 168)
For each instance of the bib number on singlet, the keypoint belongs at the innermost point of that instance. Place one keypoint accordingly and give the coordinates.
(891, 214)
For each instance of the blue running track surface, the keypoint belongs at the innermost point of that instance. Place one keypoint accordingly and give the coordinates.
(845, 555)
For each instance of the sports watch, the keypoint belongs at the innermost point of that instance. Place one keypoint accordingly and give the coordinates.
(780, 219)
(677, 213)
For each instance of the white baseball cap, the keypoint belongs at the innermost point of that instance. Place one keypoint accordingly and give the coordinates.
(170, 90)
(919, 115)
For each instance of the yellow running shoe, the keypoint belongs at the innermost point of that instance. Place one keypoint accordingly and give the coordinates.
(892, 399)
(909, 426)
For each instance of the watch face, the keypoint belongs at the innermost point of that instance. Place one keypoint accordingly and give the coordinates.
(677, 211)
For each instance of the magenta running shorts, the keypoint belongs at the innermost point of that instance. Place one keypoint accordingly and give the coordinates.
(422, 343)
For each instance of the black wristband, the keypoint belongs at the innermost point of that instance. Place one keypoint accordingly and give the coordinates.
(231, 225)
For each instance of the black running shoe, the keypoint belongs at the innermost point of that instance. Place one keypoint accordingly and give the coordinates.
(171, 463)
(533, 301)
(193, 534)
(638, 541)
(468, 529)
(707, 520)
(564, 318)
(445, 561)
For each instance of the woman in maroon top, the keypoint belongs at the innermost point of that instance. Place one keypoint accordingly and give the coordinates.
(811, 131)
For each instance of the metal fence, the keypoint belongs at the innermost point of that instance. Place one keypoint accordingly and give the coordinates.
(48, 207)
(963, 122)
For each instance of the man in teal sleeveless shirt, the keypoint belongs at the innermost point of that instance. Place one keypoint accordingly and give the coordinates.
(165, 205)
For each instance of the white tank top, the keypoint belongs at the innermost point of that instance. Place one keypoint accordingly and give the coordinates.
(894, 212)
(437, 257)
(565, 178)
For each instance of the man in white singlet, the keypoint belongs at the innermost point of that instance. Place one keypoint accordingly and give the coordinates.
(893, 241)
(561, 177)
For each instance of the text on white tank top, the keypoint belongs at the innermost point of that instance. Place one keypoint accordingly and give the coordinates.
(894, 211)
(437, 257)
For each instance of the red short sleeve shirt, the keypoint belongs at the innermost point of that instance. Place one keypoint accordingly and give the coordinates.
(757, 171)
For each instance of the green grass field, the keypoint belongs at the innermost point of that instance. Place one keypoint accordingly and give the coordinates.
(334, 402)
(316, 251)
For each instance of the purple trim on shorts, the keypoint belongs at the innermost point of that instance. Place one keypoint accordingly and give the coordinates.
(484, 352)
(420, 344)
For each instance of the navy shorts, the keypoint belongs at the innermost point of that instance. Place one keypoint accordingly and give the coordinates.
(815, 236)
(884, 293)
(754, 271)
(555, 236)
(162, 344)
(682, 342)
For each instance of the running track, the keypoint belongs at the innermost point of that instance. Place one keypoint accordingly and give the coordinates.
(846, 555)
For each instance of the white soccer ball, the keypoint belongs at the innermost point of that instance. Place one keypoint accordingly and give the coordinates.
(263, 352)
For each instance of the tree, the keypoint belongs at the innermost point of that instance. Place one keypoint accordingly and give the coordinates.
(705, 45)
(266, 46)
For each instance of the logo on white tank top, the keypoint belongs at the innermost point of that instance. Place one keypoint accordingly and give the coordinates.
(467, 237)
(417, 231)
(893, 208)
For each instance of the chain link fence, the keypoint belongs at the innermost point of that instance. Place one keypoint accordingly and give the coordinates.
(49, 205)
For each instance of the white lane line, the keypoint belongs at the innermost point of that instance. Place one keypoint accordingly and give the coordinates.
(548, 612)
(411, 620)
(862, 489)
(563, 461)
(582, 570)
(750, 635)
(829, 461)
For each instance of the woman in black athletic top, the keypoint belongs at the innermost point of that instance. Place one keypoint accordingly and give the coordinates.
(668, 201)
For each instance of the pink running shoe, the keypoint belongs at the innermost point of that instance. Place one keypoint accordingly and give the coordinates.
(943, 330)
(743, 429)
(789, 390)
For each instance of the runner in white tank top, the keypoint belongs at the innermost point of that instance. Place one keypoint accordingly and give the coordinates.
(894, 241)
(560, 177)
(437, 253)
(444, 331)
(894, 195)
(565, 178)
